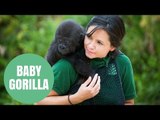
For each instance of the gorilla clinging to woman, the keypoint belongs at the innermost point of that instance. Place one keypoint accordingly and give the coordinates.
(69, 44)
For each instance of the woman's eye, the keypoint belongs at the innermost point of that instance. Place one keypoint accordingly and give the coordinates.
(99, 42)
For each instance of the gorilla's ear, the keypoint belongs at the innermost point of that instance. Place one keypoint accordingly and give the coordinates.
(82, 36)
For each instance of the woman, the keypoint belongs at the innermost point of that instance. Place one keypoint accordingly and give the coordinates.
(113, 84)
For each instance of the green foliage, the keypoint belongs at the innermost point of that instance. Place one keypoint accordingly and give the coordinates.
(7, 99)
(81, 19)
(141, 45)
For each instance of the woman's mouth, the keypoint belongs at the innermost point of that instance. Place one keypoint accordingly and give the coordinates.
(89, 52)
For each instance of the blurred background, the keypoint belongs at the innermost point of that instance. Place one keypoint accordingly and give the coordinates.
(34, 33)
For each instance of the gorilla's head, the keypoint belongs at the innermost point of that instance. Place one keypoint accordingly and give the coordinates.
(69, 37)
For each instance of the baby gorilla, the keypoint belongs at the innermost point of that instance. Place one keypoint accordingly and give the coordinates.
(68, 44)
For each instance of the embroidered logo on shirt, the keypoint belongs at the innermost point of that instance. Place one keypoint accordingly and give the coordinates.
(112, 69)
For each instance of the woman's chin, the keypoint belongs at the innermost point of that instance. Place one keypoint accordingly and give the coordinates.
(90, 56)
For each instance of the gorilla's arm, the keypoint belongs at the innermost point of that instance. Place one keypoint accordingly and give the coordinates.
(53, 55)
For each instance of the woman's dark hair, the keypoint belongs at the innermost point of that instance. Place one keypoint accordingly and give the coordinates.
(112, 24)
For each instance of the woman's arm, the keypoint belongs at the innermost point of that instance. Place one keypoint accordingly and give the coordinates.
(53, 99)
(87, 90)
(129, 102)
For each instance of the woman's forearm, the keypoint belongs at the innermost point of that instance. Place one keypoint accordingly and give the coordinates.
(60, 100)
(129, 102)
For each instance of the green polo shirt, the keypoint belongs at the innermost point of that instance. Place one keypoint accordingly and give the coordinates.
(65, 75)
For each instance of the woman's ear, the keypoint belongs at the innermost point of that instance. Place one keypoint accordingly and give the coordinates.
(112, 48)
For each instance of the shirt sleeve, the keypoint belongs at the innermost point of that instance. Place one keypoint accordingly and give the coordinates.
(64, 76)
(127, 77)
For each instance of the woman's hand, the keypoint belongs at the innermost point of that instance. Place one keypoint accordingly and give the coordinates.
(88, 89)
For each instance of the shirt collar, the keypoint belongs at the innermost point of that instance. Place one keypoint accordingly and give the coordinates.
(100, 62)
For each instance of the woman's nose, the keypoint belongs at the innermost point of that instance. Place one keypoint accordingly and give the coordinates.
(91, 45)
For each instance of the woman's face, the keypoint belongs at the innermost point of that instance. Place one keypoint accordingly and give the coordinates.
(98, 44)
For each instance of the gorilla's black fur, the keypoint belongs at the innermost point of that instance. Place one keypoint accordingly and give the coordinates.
(68, 44)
